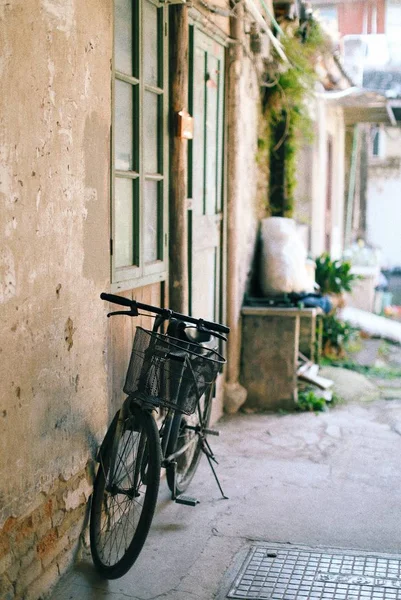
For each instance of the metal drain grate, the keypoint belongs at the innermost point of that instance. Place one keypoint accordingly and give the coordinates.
(278, 572)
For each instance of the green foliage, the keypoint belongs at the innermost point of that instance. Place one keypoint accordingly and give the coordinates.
(287, 111)
(334, 276)
(308, 401)
(335, 335)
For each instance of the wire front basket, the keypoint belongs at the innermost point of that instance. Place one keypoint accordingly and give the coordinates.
(169, 371)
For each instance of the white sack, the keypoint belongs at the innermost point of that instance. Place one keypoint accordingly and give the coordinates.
(283, 260)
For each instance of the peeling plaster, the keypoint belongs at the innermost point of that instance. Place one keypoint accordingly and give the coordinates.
(51, 69)
(6, 175)
(96, 138)
(8, 281)
(38, 197)
(54, 260)
(67, 133)
(61, 13)
(88, 79)
(74, 498)
(11, 226)
(5, 55)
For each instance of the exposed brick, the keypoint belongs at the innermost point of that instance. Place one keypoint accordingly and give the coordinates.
(71, 518)
(10, 524)
(75, 531)
(55, 549)
(10, 565)
(25, 542)
(75, 497)
(48, 507)
(4, 544)
(43, 584)
(36, 548)
(44, 527)
(29, 557)
(24, 528)
(5, 562)
(58, 517)
(6, 589)
(27, 576)
(65, 560)
(47, 543)
(42, 517)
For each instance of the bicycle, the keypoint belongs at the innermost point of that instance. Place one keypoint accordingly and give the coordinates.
(174, 371)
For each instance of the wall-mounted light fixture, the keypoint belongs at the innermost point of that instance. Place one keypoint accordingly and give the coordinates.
(185, 125)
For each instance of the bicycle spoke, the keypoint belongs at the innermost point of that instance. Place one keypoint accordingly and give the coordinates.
(122, 454)
(123, 504)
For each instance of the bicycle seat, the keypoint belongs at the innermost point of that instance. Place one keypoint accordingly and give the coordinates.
(197, 337)
(188, 333)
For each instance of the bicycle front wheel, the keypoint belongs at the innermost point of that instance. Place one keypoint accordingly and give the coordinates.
(186, 434)
(125, 494)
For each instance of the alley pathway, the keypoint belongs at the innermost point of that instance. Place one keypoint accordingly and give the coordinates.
(327, 480)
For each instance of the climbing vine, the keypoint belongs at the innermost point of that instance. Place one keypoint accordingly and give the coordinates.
(287, 112)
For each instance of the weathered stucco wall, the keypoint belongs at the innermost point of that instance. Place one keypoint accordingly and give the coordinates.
(329, 122)
(336, 130)
(384, 201)
(54, 257)
(251, 205)
(243, 193)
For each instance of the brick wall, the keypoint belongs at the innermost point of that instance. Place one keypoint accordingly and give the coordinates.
(37, 548)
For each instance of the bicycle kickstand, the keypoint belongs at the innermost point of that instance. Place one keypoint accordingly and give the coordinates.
(206, 449)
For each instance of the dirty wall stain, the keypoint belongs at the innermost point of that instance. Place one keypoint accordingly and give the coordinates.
(8, 282)
(69, 333)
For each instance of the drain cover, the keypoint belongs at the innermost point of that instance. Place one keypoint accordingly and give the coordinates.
(281, 572)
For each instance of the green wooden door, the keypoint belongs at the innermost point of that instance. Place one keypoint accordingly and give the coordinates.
(205, 191)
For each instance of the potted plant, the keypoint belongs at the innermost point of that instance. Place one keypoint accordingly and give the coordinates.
(334, 277)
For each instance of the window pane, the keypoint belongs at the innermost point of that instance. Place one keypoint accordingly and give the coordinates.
(151, 220)
(150, 121)
(124, 219)
(123, 36)
(212, 116)
(150, 44)
(123, 126)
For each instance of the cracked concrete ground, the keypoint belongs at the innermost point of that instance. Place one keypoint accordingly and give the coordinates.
(331, 480)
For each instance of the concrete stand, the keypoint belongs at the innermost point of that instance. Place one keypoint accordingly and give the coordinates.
(270, 346)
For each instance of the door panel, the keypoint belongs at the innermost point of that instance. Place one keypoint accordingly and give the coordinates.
(205, 173)
(197, 168)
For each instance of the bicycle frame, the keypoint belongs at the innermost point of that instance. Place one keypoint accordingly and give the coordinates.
(175, 371)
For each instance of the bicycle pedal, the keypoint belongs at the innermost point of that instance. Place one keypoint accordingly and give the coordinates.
(187, 500)
(212, 432)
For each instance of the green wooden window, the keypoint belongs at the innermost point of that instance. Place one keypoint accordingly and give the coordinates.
(139, 144)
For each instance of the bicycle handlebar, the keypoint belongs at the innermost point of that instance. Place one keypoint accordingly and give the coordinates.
(133, 304)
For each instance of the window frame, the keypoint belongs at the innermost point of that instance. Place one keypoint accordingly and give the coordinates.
(141, 274)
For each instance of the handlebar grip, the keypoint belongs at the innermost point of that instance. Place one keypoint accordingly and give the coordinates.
(116, 299)
(167, 313)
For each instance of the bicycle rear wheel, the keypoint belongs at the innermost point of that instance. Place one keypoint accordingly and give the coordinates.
(125, 493)
(188, 430)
